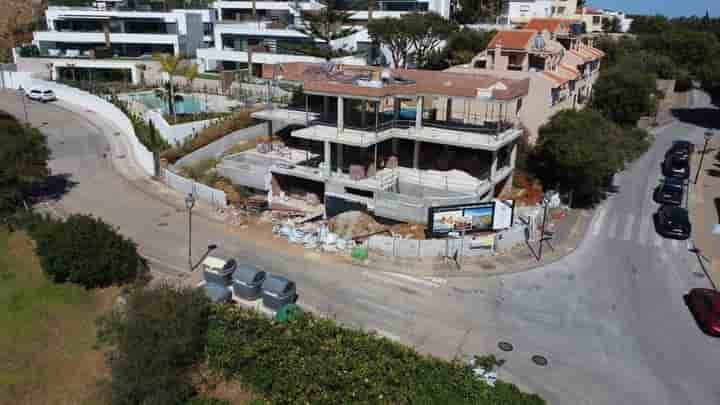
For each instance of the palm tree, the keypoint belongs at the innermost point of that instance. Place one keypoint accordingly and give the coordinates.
(191, 73)
(170, 64)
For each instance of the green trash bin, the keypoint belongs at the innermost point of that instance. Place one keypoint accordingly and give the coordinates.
(287, 313)
(359, 253)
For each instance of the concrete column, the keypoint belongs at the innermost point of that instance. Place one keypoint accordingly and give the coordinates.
(326, 107)
(448, 109)
(396, 109)
(339, 150)
(416, 155)
(513, 155)
(327, 158)
(340, 114)
(493, 165)
(363, 113)
(419, 113)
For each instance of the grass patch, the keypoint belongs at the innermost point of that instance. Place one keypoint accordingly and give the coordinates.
(47, 343)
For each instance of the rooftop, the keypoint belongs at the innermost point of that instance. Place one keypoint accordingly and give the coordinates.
(374, 82)
(554, 25)
(514, 39)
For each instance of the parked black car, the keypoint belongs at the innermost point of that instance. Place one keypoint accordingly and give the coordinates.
(674, 167)
(278, 291)
(681, 150)
(673, 222)
(247, 281)
(670, 191)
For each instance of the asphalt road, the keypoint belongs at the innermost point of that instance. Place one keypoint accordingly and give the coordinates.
(609, 317)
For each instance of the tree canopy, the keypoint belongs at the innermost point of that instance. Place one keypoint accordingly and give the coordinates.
(23, 161)
(155, 340)
(392, 33)
(474, 11)
(581, 150)
(87, 251)
(624, 94)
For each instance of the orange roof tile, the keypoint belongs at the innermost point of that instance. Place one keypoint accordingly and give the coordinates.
(554, 25)
(582, 55)
(557, 78)
(516, 39)
(572, 70)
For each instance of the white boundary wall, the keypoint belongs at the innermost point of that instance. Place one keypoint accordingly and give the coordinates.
(93, 103)
(176, 133)
(211, 195)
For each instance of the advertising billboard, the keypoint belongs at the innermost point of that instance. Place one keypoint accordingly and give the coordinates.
(469, 218)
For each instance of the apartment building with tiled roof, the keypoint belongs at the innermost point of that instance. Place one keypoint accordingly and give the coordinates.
(394, 142)
(560, 64)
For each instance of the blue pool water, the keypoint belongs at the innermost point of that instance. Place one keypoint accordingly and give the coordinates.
(189, 104)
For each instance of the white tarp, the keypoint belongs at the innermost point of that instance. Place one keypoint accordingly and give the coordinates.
(502, 217)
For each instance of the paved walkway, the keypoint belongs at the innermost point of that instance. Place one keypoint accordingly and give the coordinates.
(705, 209)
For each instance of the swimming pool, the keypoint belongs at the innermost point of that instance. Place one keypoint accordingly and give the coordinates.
(186, 104)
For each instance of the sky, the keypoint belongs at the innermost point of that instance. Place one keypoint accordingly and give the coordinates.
(670, 8)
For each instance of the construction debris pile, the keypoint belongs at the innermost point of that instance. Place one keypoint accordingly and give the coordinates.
(339, 234)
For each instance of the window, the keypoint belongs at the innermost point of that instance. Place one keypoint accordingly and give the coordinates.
(596, 20)
(524, 9)
(361, 193)
(561, 10)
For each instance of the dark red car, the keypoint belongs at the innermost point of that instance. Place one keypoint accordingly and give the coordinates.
(704, 304)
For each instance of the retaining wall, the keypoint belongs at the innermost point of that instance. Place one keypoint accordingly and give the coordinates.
(215, 149)
(176, 133)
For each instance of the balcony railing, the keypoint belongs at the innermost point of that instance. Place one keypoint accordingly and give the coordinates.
(487, 128)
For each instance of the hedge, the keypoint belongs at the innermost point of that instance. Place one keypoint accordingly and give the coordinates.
(316, 361)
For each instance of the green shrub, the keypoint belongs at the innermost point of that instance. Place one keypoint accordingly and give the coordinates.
(85, 250)
(155, 342)
(316, 361)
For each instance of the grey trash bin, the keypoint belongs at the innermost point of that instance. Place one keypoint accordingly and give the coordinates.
(278, 291)
(247, 281)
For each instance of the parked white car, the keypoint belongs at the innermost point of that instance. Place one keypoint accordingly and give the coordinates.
(41, 94)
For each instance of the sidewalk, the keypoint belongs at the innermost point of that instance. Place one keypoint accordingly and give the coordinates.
(569, 232)
(705, 209)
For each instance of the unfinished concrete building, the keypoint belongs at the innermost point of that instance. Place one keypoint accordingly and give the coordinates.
(392, 142)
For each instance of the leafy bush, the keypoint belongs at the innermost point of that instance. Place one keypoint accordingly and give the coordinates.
(155, 341)
(581, 150)
(202, 171)
(316, 361)
(85, 250)
(23, 161)
(145, 132)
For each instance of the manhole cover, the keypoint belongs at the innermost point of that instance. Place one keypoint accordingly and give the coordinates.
(506, 346)
(539, 360)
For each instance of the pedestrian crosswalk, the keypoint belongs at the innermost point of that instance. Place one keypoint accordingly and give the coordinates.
(633, 228)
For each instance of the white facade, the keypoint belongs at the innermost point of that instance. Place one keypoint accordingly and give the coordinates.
(80, 29)
(625, 22)
(522, 11)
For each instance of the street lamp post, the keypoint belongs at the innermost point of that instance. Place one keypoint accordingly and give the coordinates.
(708, 135)
(21, 93)
(546, 202)
(189, 204)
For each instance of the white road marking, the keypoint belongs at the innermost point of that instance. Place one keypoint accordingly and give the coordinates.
(628, 227)
(384, 279)
(381, 307)
(416, 280)
(599, 220)
(644, 231)
(613, 227)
